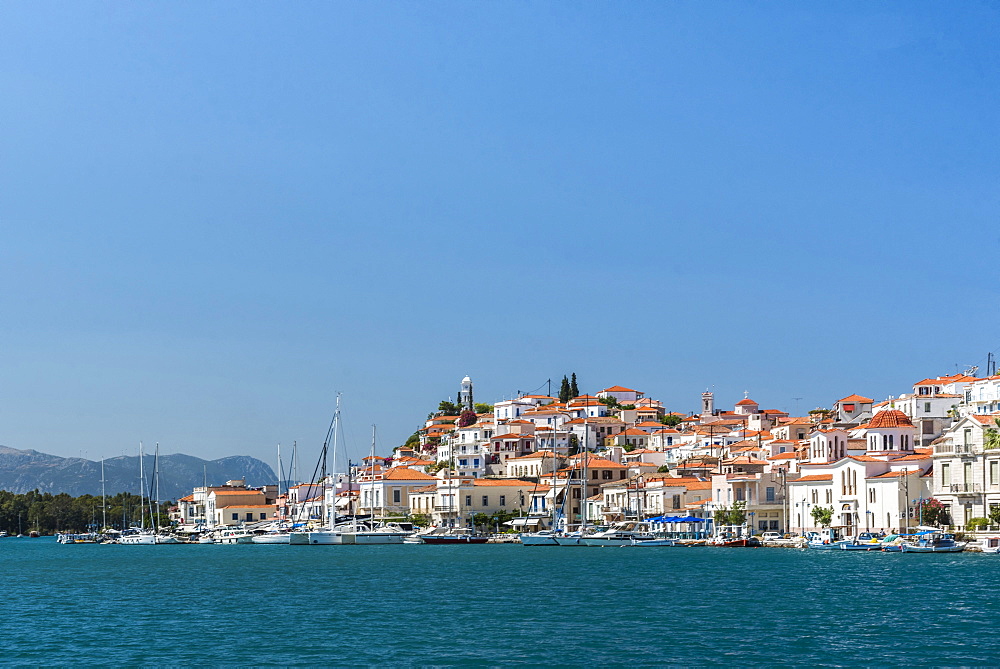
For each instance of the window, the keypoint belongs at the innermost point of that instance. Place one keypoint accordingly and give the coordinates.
(769, 494)
(503, 500)
(815, 497)
(739, 494)
(249, 515)
(468, 500)
(927, 407)
(945, 473)
(397, 496)
(236, 516)
(829, 496)
(967, 473)
(606, 474)
(675, 502)
(594, 474)
(263, 516)
(967, 436)
(486, 500)
(994, 471)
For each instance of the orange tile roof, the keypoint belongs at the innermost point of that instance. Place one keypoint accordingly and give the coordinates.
(814, 477)
(501, 482)
(889, 418)
(746, 402)
(406, 474)
(784, 456)
(618, 389)
(897, 474)
(858, 399)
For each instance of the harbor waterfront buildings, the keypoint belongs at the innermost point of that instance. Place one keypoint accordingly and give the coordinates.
(534, 460)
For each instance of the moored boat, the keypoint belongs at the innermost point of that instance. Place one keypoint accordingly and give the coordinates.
(542, 538)
(933, 542)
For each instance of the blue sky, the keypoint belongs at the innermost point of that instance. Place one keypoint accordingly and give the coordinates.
(214, 216)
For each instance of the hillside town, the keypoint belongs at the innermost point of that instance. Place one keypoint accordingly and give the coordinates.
(536, 460)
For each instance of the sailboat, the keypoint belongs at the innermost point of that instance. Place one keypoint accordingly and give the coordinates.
(382, 533)
(139, 536)
(545, 537)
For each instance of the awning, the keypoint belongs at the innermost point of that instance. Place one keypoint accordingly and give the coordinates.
(521, 522)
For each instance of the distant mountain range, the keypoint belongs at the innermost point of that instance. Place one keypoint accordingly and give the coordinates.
(22, 471)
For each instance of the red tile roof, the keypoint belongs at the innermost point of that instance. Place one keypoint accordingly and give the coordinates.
(889, 418)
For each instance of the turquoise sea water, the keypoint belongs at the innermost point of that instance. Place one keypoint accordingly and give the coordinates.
(492, 605)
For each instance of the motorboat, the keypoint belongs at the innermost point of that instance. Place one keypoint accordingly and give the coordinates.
(455, 536)
(655, 542)
(933, 542)
(990, 545)
(235, 537)
(866, 541)
(620, 534)
(828, 540)
(542, 538)
(137, 538)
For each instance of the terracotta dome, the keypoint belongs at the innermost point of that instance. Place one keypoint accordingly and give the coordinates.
(889, 418)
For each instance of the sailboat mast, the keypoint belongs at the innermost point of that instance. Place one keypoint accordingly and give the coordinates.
(142, 503)
(333, 468)
(381, 488)
(156, 478)
(583, 485)
(104, 501)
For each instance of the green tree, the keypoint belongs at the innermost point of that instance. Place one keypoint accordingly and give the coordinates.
(991, 436)
(662, 469)
(448, 408)
(671, 420)
(484, 408)
(994, 514)
(735, 515)
(976, 523)
(481, 519)
(564, 391)
(420, 519)
(574, 391)
(822, 515)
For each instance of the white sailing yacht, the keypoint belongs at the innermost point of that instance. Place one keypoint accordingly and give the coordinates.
(139, 536)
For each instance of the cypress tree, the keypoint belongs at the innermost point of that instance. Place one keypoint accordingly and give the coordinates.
(564, 390)
(573, 390)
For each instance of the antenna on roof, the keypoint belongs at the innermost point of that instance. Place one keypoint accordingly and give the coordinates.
(971, 371)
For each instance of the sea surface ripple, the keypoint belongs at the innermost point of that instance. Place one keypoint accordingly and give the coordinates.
(492, 605)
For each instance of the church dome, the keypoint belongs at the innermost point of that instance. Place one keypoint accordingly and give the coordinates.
(889, 418)
(466, 380)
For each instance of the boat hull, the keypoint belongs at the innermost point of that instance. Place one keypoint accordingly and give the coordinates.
(271, 539)
(378, 538)
(450, 541)
(138, 540)
(538, 540)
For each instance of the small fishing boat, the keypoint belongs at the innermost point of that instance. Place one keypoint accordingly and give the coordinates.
(933, 542)
(866, 541)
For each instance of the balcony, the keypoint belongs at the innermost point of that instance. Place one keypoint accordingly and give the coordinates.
(965, 488)
(955, 449)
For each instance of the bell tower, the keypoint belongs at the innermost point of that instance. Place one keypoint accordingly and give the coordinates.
(707, 403)
(465, 395)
